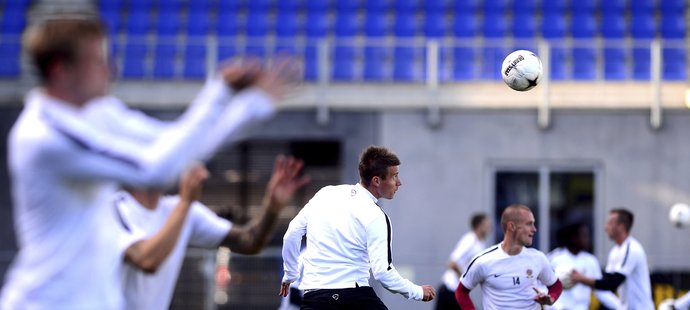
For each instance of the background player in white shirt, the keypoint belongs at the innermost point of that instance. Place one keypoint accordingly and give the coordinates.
(143, 212)
(509, 272)
(468, 246)
(575, 238)
(348, 235)
(64, 168)
(626, 269)
(682, 303)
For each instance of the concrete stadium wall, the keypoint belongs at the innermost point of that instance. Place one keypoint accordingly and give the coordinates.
(446, 177)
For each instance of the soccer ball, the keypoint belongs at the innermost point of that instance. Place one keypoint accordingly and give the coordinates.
(667, 304)
(680, 215)
(521, 70)
(563, 274)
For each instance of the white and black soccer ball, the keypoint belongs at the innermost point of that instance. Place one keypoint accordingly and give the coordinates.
(679, 215)
(563, 273)
(521, 70)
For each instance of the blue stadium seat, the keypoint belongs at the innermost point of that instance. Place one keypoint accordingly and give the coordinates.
(376, 24)
(612, 6)
(466, 7)
(290, 5)
(13, 21)
(112, 21)
(642, 6)
(435, 24)
(140, 5)
(256, 24)
(375, 60)
(643, 25)
(164, 61)
(227, 24)
(524, 25)
(310, 63)
(259, 6)
(198, 23)
(613, 26)
(226, 51)
(344, 63)
(169, 5)
(256, 49)
(318, 25)
(524, 6)
(553, 6)
(168, 23)
(641, 63)
(205, 6)
(224, 6)
(319, 6)
(584, 63)
(138, 23)
(437, 6)
(109, 5)
(492, 59)
(134, 64)
(672, 6)
(674, 64)
(583, 26)
(346, 24)
(405, 25)
(614, 63)
(195, 61)
(557, 66)
(464, 63)
(405, 64)
(673, 25)
(494, 25)
(406, 6)
(377, 6)
(583, 6)
(465, 25)
(494, 6)
(9, 59)
(350, 6)
(553, 26)
(287, 24)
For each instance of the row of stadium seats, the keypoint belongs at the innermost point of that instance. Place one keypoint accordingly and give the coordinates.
(375, 63)
(552, 25)
(404, 6)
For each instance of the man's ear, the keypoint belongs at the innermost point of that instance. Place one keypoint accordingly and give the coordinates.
(376, 181)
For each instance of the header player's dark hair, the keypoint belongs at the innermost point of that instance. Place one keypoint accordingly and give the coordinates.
(375, 161)
(59, 39)
(625, 217)
(477, 220)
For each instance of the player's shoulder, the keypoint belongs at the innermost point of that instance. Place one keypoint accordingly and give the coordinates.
(534, 253)
(635, 247)
(488, 254)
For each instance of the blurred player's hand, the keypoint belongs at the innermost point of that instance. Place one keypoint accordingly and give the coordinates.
(285, 181)
(543, 298)
(280, 77)
(577, 277)
(429, 293)
(284, 289)
(191, 183)
(242, 73)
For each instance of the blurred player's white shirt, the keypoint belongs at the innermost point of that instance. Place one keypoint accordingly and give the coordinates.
(506, 281)
(202, 229)
(579, 296)
(683, 302)
(347, 235)
(630, 259)
(467, 247)
(64, 170)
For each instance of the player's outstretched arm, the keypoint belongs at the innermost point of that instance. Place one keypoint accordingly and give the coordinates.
(608, 282)
(551, 296)
(150, 253)
(284, 182)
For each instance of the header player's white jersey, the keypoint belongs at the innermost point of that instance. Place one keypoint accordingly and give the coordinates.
(579, 296)
(507, 282)
(630, 259)
(468, 246)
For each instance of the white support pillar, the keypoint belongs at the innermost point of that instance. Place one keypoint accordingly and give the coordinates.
(544, 109)
(323, 75)
(656, 65)
(432, 62)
